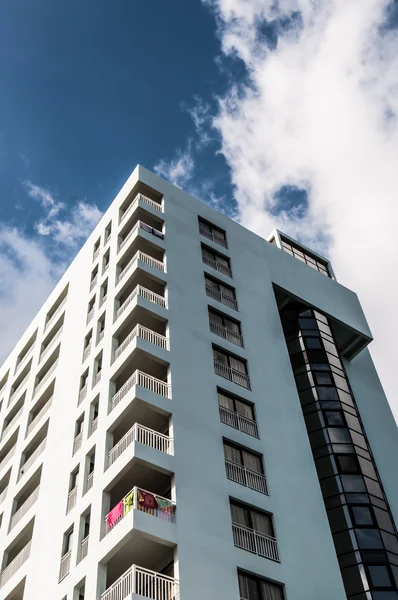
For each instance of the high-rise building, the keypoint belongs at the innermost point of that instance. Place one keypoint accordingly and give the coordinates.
(194, 415)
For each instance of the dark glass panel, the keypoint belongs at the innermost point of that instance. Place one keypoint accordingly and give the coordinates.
(384, 520)
(379, 576)
(357, 499)
(362, 516)
(314, 421)
(327, 393)
(318, 438)
(353, 483)
(341, 383)
(343, 449)
(344, 542)
(304, 381)
(308, 324)
(390, 542)
(322, 378)
(353, 422)
(334, 418)
(330, 487)
(313, 343)
(384, 595)
(307, 396)
(339, 435)
(367, 468)
(337, 519)
(369, 538)
(347, 464)
(373, 487)
(346, 398)
(352, 579)
(325, 467)
(358, 439)
(326, 405)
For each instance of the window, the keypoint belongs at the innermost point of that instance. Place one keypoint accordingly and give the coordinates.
(216, 261)
(68, 539)
(231, 367)
(236, 405)
(212, 233)
(105, 261)
(253, 519)
(362, 516)
(108, 232)
(220, 292)
(257, 588)
(369, 539)
(380, 577)
(244, 458)
(305, 257)
(225, 327)
(96, 248)
(347, 463)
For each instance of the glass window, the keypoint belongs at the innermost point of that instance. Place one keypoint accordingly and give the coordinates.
(313, 343)
(322, 378)
(347, 464)
(379, 576)
(334, 418)
(339, 435)
(362, 516)
(368, 539)
(353, 483)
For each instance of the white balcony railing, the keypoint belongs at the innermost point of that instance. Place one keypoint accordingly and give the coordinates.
(157, 386)
(39, 416)
(217, 266)
(24, 508)
(45, 377)
(16, 564)
(145, 258)
(144, 583)
(3, 494)
(77, 443)
(50, 345)
(226, 333)
(32, 458)
(103, 300)
(94, 426)
(105, 267)
(97, 377)
(140, 198)
(89, 481)
(144, 293)
(256, 542)
(64, 567)
(16, 392)
(234, 419)
(247, 477)
(90, 315)
(141, 225)
(145, 334)
(82, 394)
(232, 374)
(93, 283)
(55, 314)
(221, 297)
(7, 458)
(86, 351)
(165, 508)
(216, 237)
(101, 336)
(23, 361)
(139, 433)
(96, 253)
(84, 548)
(71, 501)
(11, 423)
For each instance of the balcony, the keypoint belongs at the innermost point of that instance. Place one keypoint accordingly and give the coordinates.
(102, 300)
(97, 377)
(77, 443)
(55, 314)
(64, 567)
(150, 383)
(145, 227)
(222, 297)
(15, 564)
(137, 499)
(3, 494)
(256, 542)
(23, 360)
(145, 334)
(39, 416)
(140, 291)
(6, 459)
(96, 254)
(82, 394)
(32, 458)
(90, 315)
(94, 426)
(11, 424)
(143, 435)
(24, 508)
(71, 501)
(237, 421)
(89, 481)
(45, 377)
(232, 374)
(50, 344)
(214, 264)
(213, 235)
(140, 198)
(145, 584)
(18, 386)
(84, 548)
(86, 352)
(93, 282)
(226, 333)
(145, 259)
(244, 476)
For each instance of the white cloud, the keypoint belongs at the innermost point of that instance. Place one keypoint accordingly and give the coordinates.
(320, 111)
(178, 170)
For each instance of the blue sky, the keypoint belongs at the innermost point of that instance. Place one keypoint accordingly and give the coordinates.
(280, 113)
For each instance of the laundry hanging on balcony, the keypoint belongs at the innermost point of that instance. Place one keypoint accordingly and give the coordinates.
(165, 505)
(128, 502)
(147, 500)
(115, 514)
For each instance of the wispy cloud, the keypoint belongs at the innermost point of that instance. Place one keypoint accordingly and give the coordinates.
(179, 169)
(318, 111)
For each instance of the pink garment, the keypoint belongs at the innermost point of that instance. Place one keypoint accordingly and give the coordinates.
(115, 514)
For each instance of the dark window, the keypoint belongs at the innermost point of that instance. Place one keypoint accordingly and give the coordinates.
(353, 483)
(220, 292)
(216, 261)
(236, 405)
(362, 516)
(380, 577)
(253, 519)
(334, 418)
(347, 463)
(242, 457)
(212, 232)
(368, 539)
(256, 588)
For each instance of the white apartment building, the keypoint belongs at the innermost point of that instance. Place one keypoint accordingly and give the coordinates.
(193, 414)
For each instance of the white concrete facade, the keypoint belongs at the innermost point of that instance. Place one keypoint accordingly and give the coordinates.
(136, 409)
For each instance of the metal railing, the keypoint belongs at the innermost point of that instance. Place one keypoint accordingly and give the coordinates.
(97, 377)
(16, 392)
(144, 293)
(71, 501)
(55, 314)
(221, 297)
(135, 202)
(247, 477)
(7, 458)
(50, 345)
(103, 300)
(32, 458)
(89, 481)
(14, 565)
(144, 583)
(64, 567)
(45, 377)
(145, 334)
(94, 426)
(157, 386)
(84, 548)
(145, 227)
(90, 315)
(145, 258)
(167, 513)
(23, 360)
(77, 443)
(96, 253)
(39, 416)
(232, 374)
(226, 333)
(234, 419)
(101, 336)
(93, 283)
(3, 494)
(23, 509)
(11, 423)
(256, 542)
(217, 266)
(214, 236)
(105, 267)
(144, 435)
(82, 394)
(86, 351)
